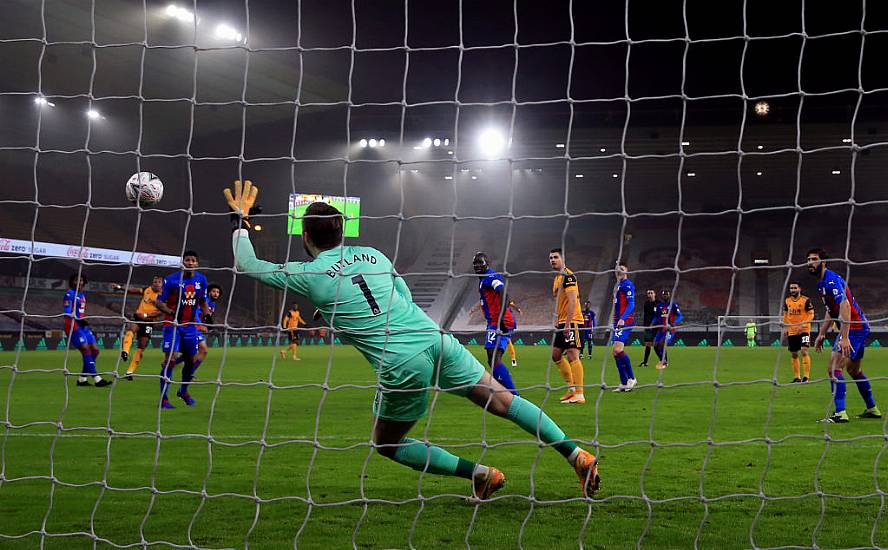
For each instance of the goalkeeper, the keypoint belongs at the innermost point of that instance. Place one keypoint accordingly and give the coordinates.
(356, 289)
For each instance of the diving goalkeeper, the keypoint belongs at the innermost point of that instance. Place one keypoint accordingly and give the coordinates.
(357, 291)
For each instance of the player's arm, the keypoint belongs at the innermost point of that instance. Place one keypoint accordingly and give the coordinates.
(160, 301)
(824, 328)
(785, 318)
(402, 289)
(630, 307)
(127, 290)
(809, 311)
(282, 276)
(284, 320)
(845, 316)
(678, 315)
(517, 309)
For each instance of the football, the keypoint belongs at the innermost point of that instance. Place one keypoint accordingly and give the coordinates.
(144, 188)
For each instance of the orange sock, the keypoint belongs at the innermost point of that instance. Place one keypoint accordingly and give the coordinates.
(795, 366)
(806, 362)
(127, 341)
(134, 364)
(576, 370)
(564, 368)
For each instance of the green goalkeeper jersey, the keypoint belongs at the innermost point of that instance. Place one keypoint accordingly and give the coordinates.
(357, 290)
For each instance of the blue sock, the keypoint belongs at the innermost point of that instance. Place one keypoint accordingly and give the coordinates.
(627, 365)
(838, 387)
(89, 365)
(620, 369)
(197, 363)
(187, 376)
(166, 372)
(504, 377)
(659, 351)
(866, 391)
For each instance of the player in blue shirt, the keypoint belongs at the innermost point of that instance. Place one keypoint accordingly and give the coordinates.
(667, 315)
(182, 299)
(847, 352)
(214, 294)
(78, 332)
(624, 306)
(500, 320)
(588, 327)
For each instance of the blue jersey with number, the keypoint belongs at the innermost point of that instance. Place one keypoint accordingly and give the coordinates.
(75, 307)
(492, 290)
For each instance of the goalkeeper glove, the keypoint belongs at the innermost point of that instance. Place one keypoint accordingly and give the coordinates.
(242, 203)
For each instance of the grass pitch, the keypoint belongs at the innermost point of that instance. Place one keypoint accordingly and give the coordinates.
(684, 460)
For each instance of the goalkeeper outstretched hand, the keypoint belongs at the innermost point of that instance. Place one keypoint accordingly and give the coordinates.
(242, 203)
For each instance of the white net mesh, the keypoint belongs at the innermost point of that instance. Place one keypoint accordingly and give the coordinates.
(707, 146)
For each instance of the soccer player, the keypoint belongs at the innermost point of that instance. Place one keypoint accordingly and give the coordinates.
(668, 316)
(847, 352)
(588, 327)
(357, 290)
(566, 347)
(500, 321)
(292, 320)
(624, 307)
(510, 347)
(142, 327)
(798, 312)
(650, 305)
(78, 332)
(183, 294)
(750, 329)
(214, 294)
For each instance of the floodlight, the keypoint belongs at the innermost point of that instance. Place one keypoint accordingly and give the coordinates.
(491, 142)
(363, 143)
(372, 142)
(227, 32)
(381, 142)
(427, 142)
(437, 142)
(93, 114)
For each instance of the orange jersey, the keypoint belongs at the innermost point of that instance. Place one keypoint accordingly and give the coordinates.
(146, 303)
(797, 314)
(293, 319)
(565, 281)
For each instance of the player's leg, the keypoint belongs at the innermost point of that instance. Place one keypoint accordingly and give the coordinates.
(648, 340)
(488, 394)
(577, 372)
(495, 360)
(511, 349)
(852, 366)
(558, 357)
(794, 342)
(806, 357)
(143, 336)
(188, 347)
(169, 347)
(294, 345)
(131, 330)
(837, 387)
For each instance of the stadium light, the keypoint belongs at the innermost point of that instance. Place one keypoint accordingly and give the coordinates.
(381, 142)
(578, 175)
(474, 177)
(372, 142)
(448, 177)
(257, 227)
(93, 114)
(615, 175)
(760, 147)
(758, 173)
(846, 140)
(603, 150)
(363, 143)
(836, 172)
(43, 101)
(762, 108)
(436, 142)
(227, 32)
(446, 142)
(492, 142)
(427, 142)
(685, 143)
(559, 146)
(692, 174)
(181, 14)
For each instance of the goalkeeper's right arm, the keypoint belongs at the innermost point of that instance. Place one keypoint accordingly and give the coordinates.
(245, 260)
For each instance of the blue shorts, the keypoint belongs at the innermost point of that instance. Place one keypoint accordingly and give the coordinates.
(857, 338)
(663, 338)
(496, 341)
(201, 336)
(81, 337)
(178, 339)
(621, 334)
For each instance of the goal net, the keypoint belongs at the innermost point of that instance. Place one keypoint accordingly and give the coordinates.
(706, 145)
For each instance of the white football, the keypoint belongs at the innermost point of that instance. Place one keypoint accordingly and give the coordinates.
(144, 188)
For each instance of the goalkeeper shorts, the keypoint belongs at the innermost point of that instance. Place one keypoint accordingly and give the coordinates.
(404, 396)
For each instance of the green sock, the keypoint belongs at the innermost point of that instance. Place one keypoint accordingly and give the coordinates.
(534, 421)
(432, 459)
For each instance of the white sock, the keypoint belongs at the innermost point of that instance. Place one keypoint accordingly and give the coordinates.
(82, 379)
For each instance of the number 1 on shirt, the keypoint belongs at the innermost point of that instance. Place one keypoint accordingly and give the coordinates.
(371, 301)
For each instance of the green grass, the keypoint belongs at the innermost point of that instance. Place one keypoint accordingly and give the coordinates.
(233, 491)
